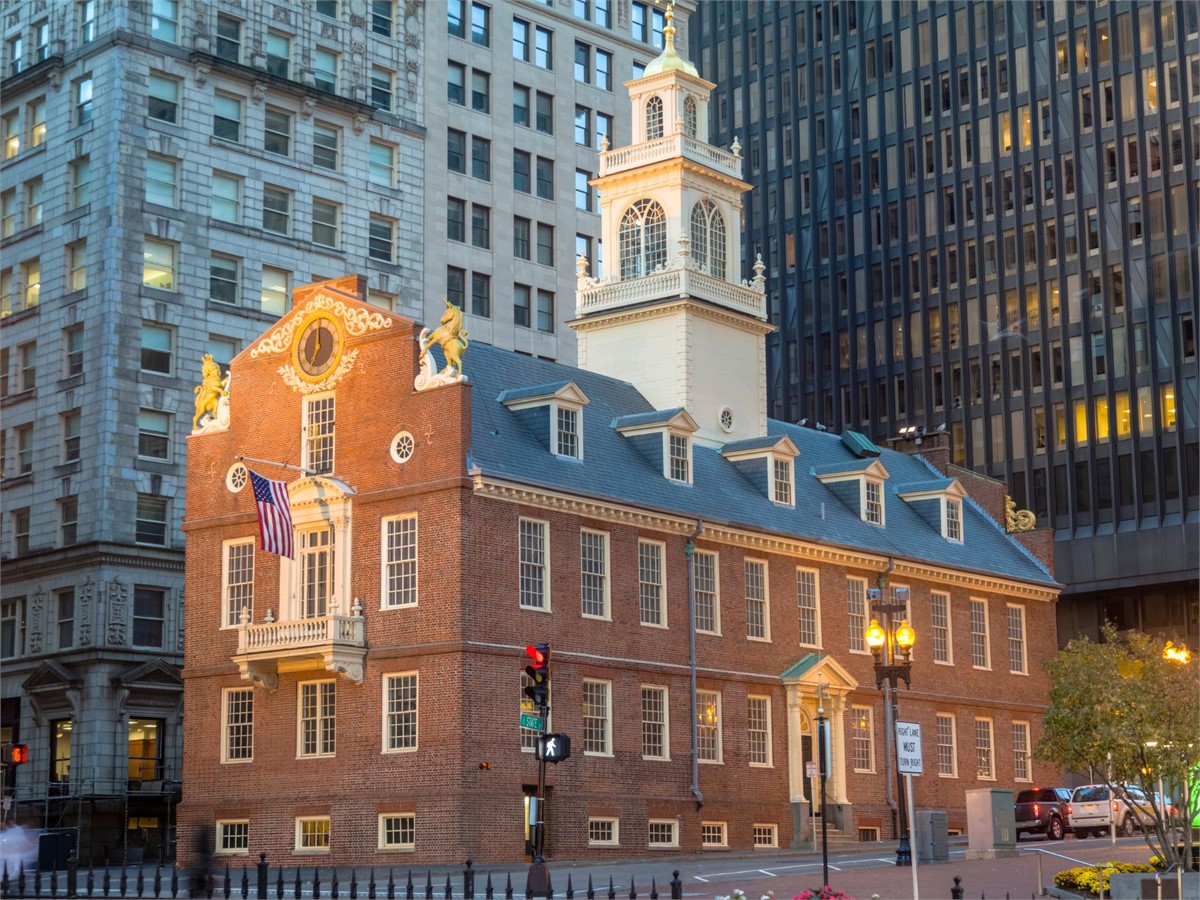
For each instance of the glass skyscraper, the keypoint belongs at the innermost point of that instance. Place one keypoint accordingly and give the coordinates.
(982, 218)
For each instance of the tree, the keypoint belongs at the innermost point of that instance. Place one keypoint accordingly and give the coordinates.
(1122, 711)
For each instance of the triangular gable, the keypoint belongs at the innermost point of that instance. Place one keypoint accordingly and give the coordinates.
(941, 487)
(814, 670)
(853, 469)
(157, 673)
(752, 447)
(318, 489)
(566, 391)
(677, 420)
(51, 676)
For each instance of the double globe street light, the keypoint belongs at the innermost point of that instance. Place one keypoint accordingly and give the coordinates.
(892, 649)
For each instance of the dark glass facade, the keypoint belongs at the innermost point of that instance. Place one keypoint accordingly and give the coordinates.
(984, 218)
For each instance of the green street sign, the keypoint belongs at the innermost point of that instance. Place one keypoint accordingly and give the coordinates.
(532, 722)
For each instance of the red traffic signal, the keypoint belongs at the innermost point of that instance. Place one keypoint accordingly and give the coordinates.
(16, 754)
(538, 671)
(540, 654)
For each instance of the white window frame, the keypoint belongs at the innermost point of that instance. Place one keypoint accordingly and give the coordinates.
(952, 523)
(769, 762)
(984, 635)
(1019, 643)
(767, 830)
(405, 568)
(608, 698)
(556, 411)
(946, 629)
(783, 491)
(232, 615)
(614, 840)
(223, 834)
(321, 726)
(398, 715)
(226, 695)
(763, 576)
(858, 629)
(605, 581)
(715, 593)
(669, 438)
(661, 552)
(1022, 750)
(708, 829)
(383, 830)
(664, 699)
(953, 773)
(313, 445)
(990, 749)
(867, 508)
(860, 713)
(802, 609)
(701, 711)
(299, 847)
(673, 824)
(543, 567)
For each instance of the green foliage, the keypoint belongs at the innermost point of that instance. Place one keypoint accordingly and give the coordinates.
(1119, 713)
(1092, 878)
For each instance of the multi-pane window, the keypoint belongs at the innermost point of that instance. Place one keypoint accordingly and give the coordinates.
(381, 89)
(238, 725)
(154, 434)
(312, 834)
(226, 197)
(277, 210)
(543, 48)
(758, 730)
(980, 652)
(87, 20)
(317, 718)
(227, 118)
(806, 599)
(643, 239)
(651, 600)
(71, 422)
(862, 738)
(481, 24)
(593, 565)
(534, 564)
(277, 132)
(149, 610)
(708, 240)
(279, 54)
(655, 736)
(947, 753)
(238, 578)
(233, 837)
(603, 832)
(381, 167)
(316, 565)
(83, 101)
(400, 561)
(708, 726)
(223, 278)
(381, 238)
(654, 118)
(712, 834)
(520, 40)
(782, 481)
(34, 195)
(758, 618)
(325, 66)
(708, 610)
(766, 836)
(319, 433)
(65, 613)
(985, 762)
(400, 712)
(597, 717)
(164, 20)
(939, 606)
(856, 608)
(229, 38)
(73, 351)
(162, 103)
(1016, 640)
(679, 453)
(663, 833)
(324, 223)
(150, 526)
(1021, 752)
(567, 432)
(953, 520)
(397, 831)
(326, 146)
(873, 501)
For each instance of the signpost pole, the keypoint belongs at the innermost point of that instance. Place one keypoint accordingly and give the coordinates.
(912, 819)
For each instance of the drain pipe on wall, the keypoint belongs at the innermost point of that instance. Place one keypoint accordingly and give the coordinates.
(689, 550)
(882, 583)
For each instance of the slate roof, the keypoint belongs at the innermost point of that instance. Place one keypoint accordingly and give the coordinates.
(848, 464)
(759, 443)
(653, 417)
(612, 469)
(523, 392)
(932, 484)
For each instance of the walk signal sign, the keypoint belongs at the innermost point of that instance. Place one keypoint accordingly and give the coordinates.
(553, 747)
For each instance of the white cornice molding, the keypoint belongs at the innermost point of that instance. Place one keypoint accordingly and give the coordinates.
(656, 309)
(808, 551)
(639, 174)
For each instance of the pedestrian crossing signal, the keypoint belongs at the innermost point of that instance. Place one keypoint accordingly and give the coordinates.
(16, 754)
(553, 747)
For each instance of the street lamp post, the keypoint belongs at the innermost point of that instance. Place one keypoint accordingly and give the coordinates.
(892, 649)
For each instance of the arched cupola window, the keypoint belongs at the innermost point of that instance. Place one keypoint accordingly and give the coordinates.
(643, 239)
(708, 238)
(689, 116)
(654, 118)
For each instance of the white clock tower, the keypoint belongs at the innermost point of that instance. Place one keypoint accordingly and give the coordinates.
(670, 316)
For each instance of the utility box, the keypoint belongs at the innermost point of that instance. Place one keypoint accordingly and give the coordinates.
(931, 842)
(54, 849)
(991, 824)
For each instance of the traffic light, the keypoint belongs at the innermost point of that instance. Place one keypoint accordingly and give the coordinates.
(16, 754)
(539, 673)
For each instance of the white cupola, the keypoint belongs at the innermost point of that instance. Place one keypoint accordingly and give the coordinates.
(671, 316)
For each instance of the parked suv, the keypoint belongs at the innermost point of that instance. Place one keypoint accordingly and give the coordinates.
(1043, 811)
(1093, 810)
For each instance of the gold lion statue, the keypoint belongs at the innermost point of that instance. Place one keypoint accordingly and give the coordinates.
(210, 390)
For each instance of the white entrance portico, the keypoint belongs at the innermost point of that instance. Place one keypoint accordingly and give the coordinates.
(804, 681)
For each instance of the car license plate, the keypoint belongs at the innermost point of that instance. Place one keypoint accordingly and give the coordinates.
(1028, 824)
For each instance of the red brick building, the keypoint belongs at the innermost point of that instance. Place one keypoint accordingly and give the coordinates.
(360, 703)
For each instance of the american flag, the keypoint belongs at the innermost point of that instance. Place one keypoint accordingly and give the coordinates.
(274, 515)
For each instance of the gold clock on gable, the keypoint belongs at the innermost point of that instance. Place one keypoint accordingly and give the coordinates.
(318, 347)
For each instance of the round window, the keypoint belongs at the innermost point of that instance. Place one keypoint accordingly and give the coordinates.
(403, 446)
(727, 420)
(236, 477)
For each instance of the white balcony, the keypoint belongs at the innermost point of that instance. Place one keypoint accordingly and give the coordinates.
(333, 643)
(678, 281)
(671, 147)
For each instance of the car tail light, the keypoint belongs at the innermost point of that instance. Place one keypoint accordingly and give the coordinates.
(1116, 807)
(1036, 810)
(1069, 810)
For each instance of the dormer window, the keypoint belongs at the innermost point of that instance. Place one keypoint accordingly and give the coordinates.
(654, 118)
(782, 486)
(680, 458)
(873, 501)
(553, 413)
(940, 503)
(567, 438)
(953, 519)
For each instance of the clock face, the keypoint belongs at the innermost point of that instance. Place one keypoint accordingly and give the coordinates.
(318, 348)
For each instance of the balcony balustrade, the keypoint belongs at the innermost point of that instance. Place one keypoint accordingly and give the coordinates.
(333, 642)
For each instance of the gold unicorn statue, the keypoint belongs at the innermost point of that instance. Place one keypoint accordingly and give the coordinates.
(450, 335)
(210, 391)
